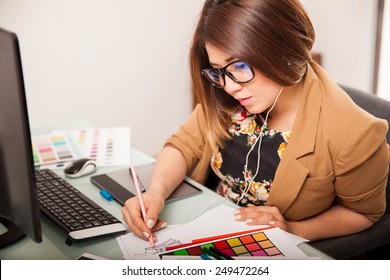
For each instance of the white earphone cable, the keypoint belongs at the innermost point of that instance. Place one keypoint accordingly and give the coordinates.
(248, 183)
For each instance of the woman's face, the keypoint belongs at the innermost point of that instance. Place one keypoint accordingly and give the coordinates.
(256, 95)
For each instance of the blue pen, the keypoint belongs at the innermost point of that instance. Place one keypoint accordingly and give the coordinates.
(205, 257)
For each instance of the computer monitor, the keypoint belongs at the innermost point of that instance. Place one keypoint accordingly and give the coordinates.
(19, 208)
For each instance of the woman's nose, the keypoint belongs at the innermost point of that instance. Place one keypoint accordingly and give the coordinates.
(231, 86)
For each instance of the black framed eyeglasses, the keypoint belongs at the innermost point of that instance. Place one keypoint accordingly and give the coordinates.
(239, 71)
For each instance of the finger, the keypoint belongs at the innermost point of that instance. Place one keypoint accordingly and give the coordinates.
(160, 224)
(132, 213)
(154, 204)
(252, 212)
(259, 215)
(270, 209)
(243, 214)
(273, 222)
(152, 216)
(263, 219)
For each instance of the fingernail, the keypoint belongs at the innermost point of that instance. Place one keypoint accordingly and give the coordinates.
(237, 217)
(164, 225)
(271, 223)
(146, 234)
(150, 223)
(248, 221)
(237, 211)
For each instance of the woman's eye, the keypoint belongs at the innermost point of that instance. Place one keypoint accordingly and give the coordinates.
(241, 66)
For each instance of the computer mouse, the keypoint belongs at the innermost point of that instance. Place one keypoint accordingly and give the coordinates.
(80, 167)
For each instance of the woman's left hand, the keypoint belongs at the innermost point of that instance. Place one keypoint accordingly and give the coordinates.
(261, 215)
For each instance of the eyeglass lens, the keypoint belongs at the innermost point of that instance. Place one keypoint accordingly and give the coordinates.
(238, 71)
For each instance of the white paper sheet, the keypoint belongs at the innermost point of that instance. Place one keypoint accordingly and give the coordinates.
(216, 221)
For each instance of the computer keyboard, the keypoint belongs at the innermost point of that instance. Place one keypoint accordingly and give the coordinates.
(74, 212)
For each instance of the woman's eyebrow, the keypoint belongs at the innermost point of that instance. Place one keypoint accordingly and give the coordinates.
(228, 60)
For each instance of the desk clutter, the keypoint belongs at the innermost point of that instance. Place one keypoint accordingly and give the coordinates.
(107, 146)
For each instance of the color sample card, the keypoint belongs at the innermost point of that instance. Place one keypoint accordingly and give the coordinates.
(49, 149)
(108, 146)
(255, 244)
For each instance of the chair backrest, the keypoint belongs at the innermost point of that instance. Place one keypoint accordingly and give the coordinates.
(378, 107)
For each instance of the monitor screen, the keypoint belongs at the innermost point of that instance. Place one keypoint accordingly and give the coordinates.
(19, 208)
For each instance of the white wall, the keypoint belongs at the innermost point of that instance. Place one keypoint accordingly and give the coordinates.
(124, 62)
(110, 62)
(384, 69)
(346, 32)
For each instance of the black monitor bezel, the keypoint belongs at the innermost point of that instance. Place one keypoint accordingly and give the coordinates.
(19, 206)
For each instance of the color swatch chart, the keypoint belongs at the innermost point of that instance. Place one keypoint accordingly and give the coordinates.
(108, 146)
(253, 244)
(49, 149)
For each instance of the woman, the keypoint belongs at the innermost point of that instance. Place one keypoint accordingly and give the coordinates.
(286, 143)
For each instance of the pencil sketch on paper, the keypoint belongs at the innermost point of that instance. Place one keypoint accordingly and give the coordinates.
(160, 248)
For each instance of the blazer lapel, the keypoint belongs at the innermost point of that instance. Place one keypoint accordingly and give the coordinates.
(291, 174)
(289, 178)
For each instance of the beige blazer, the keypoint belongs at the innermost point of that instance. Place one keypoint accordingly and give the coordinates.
(337, 153)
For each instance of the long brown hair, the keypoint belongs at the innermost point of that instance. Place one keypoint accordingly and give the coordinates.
(275, 37)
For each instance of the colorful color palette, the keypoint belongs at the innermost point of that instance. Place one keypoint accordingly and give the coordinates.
(107, 146)
(48, 149)
(254, 244)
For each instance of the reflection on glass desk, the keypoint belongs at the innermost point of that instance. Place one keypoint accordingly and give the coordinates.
(54, 247)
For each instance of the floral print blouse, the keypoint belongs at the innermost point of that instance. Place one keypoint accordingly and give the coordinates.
(228, 162)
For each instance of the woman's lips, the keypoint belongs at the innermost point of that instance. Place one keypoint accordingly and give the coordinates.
(244, 101)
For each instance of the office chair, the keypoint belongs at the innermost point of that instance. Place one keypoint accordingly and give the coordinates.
(373, 243)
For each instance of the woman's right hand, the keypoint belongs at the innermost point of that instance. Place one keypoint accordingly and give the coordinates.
(132, 215)
(169, 170)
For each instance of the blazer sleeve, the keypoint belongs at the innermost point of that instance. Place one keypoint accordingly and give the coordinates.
(190, 139)
(361, 170)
